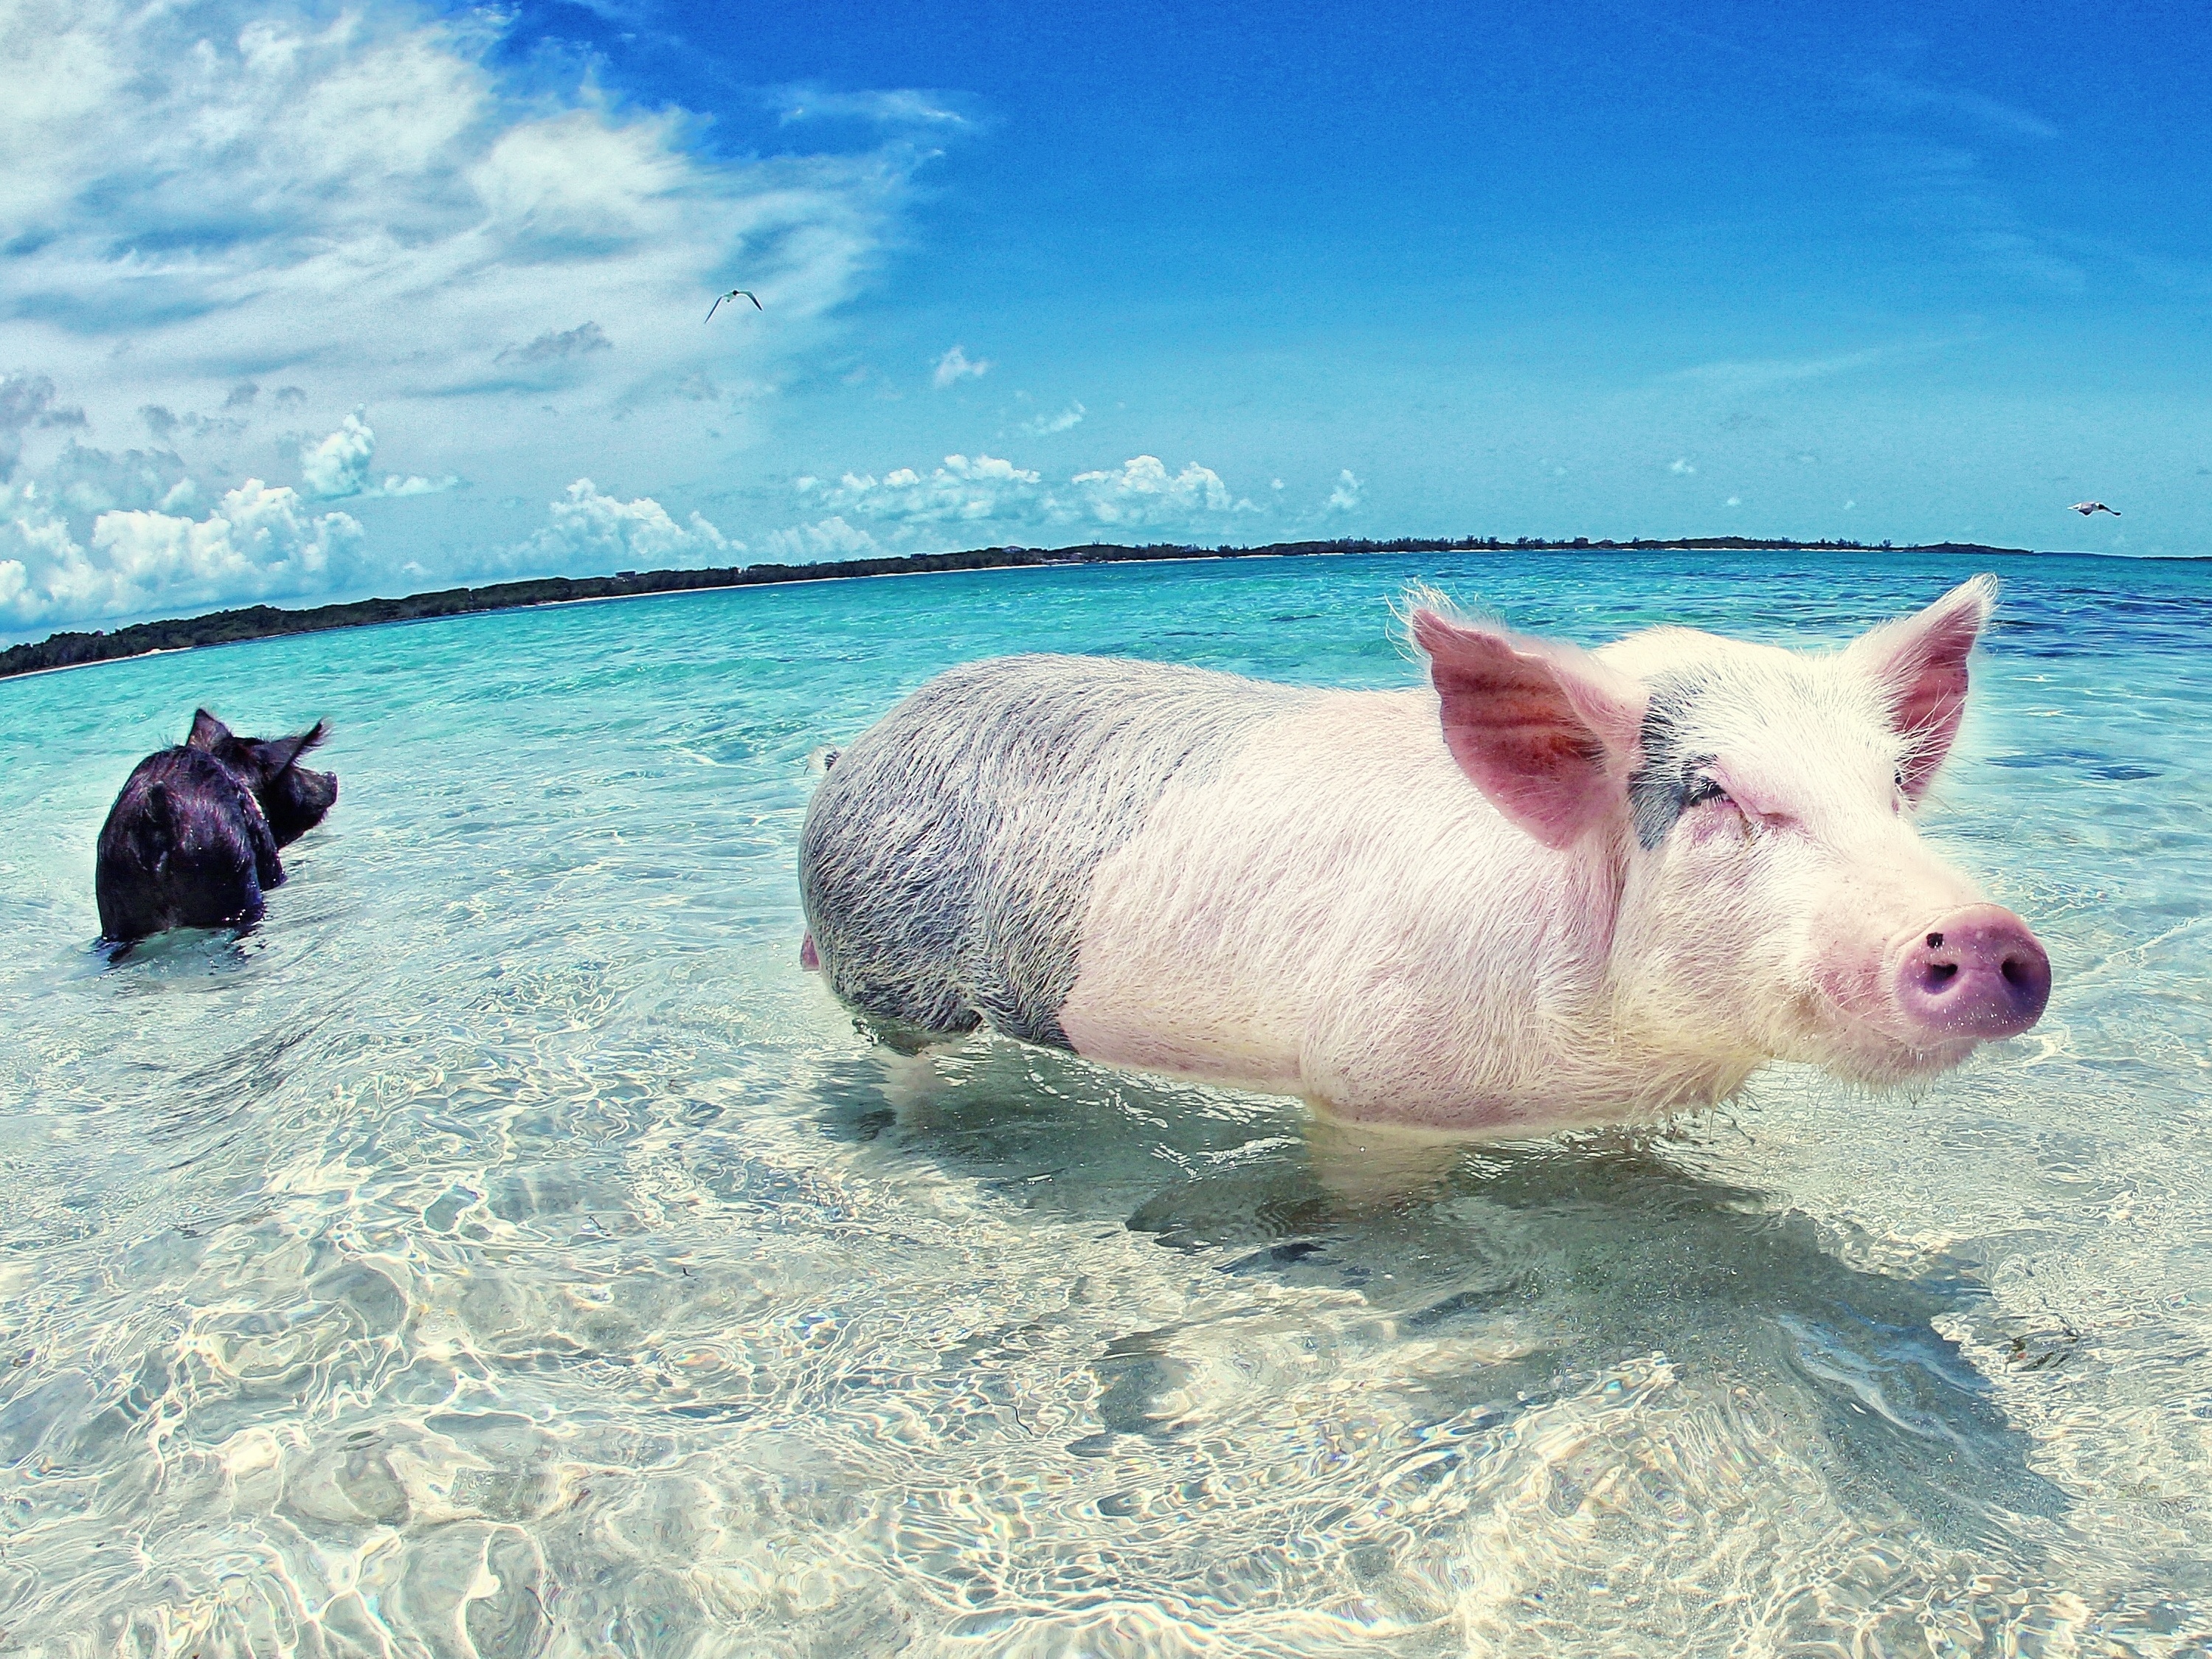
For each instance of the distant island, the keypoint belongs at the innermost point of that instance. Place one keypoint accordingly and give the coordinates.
(261, 621)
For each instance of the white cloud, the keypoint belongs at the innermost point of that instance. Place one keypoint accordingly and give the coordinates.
(259, 535)
(831, 539)
(591, 532)
(955, 366)
(1044, 426)
(393, 484)
(960, 490)
(249, 212)
(1346, 497)
(100, 535)
(267, 542)
(1735, 500)
(260, 541)
(973, 501)
(1682, 467)
(337, 468)
(1141, 491)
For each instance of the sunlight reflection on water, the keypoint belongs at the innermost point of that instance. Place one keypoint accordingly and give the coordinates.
(506, 1249)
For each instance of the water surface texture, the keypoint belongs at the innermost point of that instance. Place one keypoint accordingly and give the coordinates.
(506, 1250)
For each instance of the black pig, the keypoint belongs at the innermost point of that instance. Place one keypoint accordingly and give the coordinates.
(191, 840)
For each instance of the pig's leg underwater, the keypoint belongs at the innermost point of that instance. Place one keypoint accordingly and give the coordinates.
(947, 858)
(1368, 1167)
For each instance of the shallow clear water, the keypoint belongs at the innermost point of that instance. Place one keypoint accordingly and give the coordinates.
(508, 1249)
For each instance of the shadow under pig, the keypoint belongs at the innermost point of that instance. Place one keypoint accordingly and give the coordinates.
(1605, 1243)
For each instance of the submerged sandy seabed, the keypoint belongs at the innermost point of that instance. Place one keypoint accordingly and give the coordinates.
(509, 1248)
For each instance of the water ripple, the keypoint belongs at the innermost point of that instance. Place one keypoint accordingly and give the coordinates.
(505, 1250)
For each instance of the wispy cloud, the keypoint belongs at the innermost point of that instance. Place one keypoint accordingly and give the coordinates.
(955, 366)
(1990, 113)
(1945, 192)
(552, 347)
(28, 403)
(164, 423)
(904, 107)
(1760, 373)
(1045, 425)
(1345, 498)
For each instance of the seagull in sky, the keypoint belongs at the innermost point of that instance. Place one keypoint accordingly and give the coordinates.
(2085, 508)
(732, 294)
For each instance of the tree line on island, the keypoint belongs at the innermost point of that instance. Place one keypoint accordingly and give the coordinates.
(260, 622)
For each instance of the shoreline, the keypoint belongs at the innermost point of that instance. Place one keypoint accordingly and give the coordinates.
(243, 625)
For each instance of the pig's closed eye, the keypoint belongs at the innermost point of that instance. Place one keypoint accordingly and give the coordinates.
(1703, 790)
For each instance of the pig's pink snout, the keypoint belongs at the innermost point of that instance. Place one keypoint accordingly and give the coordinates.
(1976, 973)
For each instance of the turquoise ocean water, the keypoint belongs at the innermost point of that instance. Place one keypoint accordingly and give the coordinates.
(507, 1250)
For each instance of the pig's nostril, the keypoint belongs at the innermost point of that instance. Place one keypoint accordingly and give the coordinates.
(1979, 974)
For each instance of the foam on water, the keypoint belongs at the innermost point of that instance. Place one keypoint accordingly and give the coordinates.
(506, 1249)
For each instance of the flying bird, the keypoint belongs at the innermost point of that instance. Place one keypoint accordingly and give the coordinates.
(2085, 508)
(733, 294)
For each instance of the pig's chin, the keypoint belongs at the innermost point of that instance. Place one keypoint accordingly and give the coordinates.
(1882, 1062)
(1859, 1049)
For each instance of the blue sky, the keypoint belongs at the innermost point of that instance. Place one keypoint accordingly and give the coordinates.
(309, 302)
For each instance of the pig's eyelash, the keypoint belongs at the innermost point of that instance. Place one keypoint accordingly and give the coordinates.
(1702, 788)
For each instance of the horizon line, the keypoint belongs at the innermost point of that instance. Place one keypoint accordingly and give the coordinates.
(73, 648)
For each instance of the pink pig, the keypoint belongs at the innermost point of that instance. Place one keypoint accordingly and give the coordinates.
(1552, 887)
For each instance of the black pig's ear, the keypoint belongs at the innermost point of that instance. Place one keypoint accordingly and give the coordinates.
(280, 752)
(207, 731)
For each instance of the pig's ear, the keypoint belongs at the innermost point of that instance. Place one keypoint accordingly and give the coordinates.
(1546, 731)
(1920, 663)
(207, 731)
(280, 752)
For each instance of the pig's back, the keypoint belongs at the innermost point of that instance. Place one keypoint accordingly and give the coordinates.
(947, 859)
